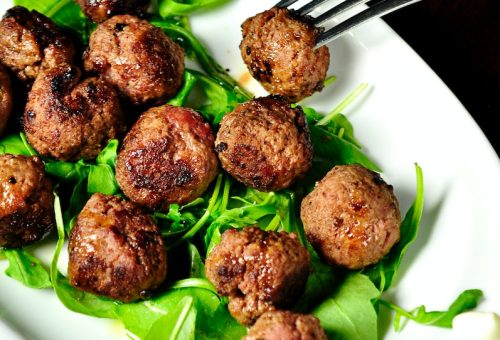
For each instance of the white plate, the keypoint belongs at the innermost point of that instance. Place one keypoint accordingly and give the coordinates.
(408, 116)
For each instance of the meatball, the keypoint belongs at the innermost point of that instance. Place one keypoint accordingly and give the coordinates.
(285, 325)
(278, 49)
(116, 250)
(6, 99)
(167, 157)
(265, 144)
(258, 270)
(137, 58)
(31, 42)
(26, 201)
(68, 119)
(351, 217)
(101, 10)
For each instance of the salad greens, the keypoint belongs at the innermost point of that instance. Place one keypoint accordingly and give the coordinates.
(187, 305)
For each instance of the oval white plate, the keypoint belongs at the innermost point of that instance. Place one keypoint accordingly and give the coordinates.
(408, 116)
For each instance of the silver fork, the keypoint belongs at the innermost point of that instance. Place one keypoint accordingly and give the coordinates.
(375, 11)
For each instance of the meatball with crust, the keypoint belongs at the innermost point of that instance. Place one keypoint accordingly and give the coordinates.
(30, 42)
(258, 270)
(26, 201)
(70, 119)
(278, 49)
(137, 58)
(101, 10)
(116, 250)
(285, 325)
(351, 217)
(5, 98)
(265, 143)
(167, 157)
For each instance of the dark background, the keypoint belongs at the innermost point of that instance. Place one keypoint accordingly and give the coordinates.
(460, 40)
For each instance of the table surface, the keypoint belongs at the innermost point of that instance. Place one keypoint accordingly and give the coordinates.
(460, 40)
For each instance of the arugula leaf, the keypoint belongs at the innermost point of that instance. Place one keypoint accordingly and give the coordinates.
(67, 171)
(383, 274)
(348, 313)
(466, 301)
(79, 198)
(109, 154)
(14, 145)
(180, 323)
(26, 269)
(169, 8)
(189, 80)
(102, 179)
(333, 150)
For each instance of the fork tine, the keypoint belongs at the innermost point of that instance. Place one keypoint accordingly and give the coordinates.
(307, 8)
(285, 3)
(375, 11)
(339, 9)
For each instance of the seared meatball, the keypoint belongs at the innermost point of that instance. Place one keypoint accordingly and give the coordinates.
(5, 98)
(116, 250)
(26, 201)
(68, 119)
(101, 10)
(167, 157)
(31, 42)
(258, 270)
(278, 49)
(285, 325)
(265, 144)
(351, 217)
(137, 58)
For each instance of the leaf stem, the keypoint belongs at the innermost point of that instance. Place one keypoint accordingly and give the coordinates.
(343, 104)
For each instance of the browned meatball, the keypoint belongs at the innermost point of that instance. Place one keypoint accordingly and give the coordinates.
(285, 325)
(167, 157)
(278, 49)
(31, 42)
(265, 144)
(5, 98)
(116, 250)
(351, 217)
(26, 201)
(139, 59)
(68, 119)
(101, 10)
(258, 270)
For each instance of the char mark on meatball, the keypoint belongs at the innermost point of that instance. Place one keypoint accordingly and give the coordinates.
(26, 201)
(351, 217)
(286, 325)
(265, 143)
(137, 58)
(167, 157)
(30, 42)
(116, 250)
(6, 98)
(278, 48)
(101, 10)
(258, 270)
(69, 119)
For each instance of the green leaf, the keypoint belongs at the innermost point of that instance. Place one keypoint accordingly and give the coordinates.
(333, 150)
(189, 80)
(348, 313)
(180, 323)
(108, 154)
(383, 274)
(466, 301)
(67, 171)
(14, 145)
(169, 8)
(26, 269)
(79, 198)
(102, 179)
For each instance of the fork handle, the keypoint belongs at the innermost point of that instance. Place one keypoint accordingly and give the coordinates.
(378, 10)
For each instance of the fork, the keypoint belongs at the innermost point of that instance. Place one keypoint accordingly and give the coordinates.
(379, 9)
